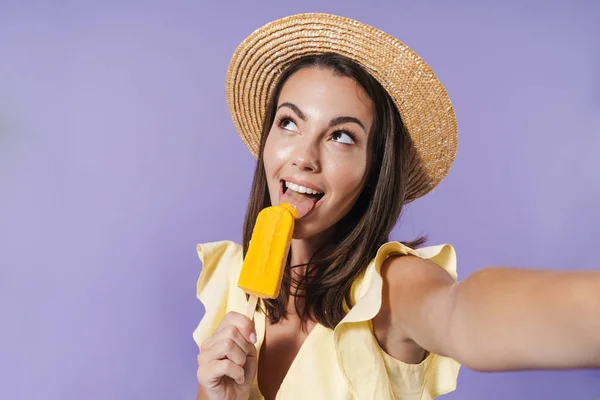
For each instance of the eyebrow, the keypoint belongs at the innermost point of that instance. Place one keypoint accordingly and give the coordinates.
(332, 123)
(343, 120)
(295, 109)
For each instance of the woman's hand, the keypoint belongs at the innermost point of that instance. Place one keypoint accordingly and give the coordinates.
(227, 362)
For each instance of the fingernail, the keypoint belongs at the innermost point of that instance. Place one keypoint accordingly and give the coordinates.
(253, 338)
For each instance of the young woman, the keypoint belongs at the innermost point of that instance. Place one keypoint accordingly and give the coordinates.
(348, 124)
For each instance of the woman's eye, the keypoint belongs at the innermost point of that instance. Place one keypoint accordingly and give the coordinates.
(343, 137)
(288, 125)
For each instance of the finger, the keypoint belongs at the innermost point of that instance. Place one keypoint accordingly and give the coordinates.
(243, 323)
(227, 349)
(228, 332)
(228, 368)
(251, 366)
(252, 352)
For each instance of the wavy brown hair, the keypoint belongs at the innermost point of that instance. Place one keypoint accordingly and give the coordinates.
(326, 285)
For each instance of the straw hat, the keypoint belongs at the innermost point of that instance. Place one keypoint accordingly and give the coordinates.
(421, 99)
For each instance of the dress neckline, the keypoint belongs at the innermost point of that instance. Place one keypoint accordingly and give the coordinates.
(260, 321)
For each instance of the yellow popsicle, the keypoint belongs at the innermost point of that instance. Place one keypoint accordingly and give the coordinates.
(262, 270)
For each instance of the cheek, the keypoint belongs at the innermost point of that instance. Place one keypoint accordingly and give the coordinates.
(349, 178)
(268, 158)
(276, 153)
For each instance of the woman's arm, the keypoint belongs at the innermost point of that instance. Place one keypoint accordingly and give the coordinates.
(498, 319)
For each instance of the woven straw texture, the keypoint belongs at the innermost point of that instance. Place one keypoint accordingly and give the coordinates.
(421, 99)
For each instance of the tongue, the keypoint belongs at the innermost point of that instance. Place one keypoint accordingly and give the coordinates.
(302, 202)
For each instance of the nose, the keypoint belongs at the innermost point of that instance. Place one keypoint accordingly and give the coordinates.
(306, 156)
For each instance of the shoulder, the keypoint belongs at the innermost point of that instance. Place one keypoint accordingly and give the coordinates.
(217, 256)
(399, 265)
(421, 267)
(221, 263)
(417, 294)
(387, 296)
(208, 252)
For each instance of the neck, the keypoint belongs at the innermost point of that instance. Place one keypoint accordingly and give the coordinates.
(304, 249)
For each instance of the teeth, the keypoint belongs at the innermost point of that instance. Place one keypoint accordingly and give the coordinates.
(301, 189)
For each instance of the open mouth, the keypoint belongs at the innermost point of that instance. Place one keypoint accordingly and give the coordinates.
(301, 192)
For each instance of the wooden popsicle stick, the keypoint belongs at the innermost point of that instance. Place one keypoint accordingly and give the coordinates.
(251, 306)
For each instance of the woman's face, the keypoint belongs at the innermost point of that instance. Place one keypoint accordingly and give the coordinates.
(319, 140)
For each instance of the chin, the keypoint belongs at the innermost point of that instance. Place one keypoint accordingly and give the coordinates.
(306, 229)
(302, 233)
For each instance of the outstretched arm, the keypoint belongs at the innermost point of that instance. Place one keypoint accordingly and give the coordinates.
(498, 319)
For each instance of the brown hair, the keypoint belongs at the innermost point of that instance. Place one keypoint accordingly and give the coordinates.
(327, 283)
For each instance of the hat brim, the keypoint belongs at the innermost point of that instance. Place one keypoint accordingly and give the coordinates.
(421, 98)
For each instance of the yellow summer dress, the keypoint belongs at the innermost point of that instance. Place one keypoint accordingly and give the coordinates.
(346, 362)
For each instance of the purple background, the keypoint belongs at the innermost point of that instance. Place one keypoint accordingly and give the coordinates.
(117, 156)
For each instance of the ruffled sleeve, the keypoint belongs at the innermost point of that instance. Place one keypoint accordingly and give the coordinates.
(369, 371)
(441, 373)
(221, 262)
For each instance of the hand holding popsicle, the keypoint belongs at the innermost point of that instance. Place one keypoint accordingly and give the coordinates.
(228, 362)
